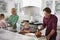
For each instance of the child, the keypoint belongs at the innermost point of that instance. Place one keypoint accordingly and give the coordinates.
(26, 28)
(3, 24)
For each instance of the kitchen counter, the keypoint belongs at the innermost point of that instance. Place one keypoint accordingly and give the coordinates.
(8, 35)
(58, 34)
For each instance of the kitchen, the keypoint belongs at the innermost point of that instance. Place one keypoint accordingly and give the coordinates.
(28, 10)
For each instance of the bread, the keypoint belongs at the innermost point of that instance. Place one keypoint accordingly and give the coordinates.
(38, 34)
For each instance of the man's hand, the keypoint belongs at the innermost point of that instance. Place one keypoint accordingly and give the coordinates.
(47, 37)
(52, 32)
(40, 28)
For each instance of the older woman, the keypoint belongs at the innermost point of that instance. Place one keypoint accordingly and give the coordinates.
(13, 18)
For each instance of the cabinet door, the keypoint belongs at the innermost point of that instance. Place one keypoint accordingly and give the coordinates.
(57, 7)
(3, 6)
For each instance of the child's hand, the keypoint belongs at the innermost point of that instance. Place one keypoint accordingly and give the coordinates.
(27, 31)
(21, 32)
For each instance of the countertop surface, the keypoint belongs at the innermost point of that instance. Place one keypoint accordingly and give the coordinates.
(8, 35)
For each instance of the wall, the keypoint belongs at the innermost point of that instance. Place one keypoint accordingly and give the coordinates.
(35, 11)
(32, 11)
(10, 5)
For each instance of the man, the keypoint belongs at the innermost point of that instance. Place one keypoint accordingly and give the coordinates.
(13, 18)
(50, 23)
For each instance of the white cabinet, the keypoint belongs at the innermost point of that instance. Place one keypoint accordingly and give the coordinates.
(57, 7)
(54, 5)
(3, 6)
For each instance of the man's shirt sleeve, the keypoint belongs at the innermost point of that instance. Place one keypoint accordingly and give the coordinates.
(54, 23)
(44, 24)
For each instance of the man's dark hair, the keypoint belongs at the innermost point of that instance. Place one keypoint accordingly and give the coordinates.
(47, 9)
(2, 15)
